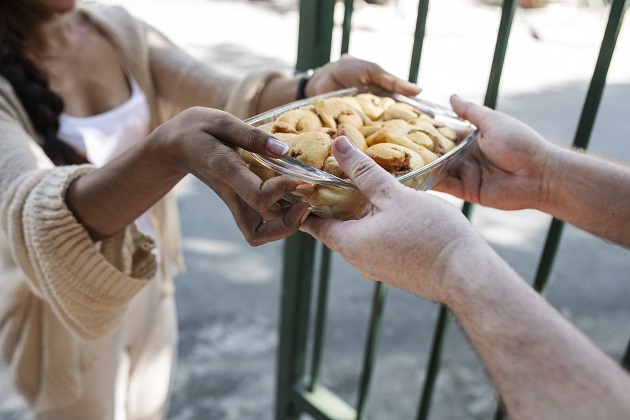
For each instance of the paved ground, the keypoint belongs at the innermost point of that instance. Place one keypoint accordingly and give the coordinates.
(228, 299)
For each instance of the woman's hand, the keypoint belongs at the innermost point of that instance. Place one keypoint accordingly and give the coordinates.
(409, 237)
(207, 142)
(203, 142)
(349, 71)
(509, 167)
(343, 73)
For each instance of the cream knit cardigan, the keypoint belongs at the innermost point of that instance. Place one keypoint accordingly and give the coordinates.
(58, 288)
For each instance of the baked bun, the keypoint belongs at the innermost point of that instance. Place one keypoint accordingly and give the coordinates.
(374, 106)
(353, 134)
(301, 120)
(334, 111)
(311, 147)
(395, 159)
(337, 203)
(278, 127)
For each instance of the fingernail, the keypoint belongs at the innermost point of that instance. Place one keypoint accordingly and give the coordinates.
(343, 144)
(277, 147)
(303, 186)
(305, 215)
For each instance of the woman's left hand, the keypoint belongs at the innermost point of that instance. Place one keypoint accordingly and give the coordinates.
(349, 71)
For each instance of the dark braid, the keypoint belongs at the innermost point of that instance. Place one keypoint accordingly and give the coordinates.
(42, 105)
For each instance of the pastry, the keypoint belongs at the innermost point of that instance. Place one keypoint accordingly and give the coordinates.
(333, 111)
(301, 120)
(395, 159)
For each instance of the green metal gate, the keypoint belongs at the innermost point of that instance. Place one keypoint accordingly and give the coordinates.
(307, 262)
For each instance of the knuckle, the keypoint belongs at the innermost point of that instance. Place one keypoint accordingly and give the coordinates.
(364, 169)
(252, 139)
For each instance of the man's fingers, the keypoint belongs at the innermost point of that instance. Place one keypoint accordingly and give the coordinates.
(372, 180)
(327, 231)
(470, 111)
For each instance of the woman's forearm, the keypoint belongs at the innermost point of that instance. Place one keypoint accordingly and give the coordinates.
(278, 91)
(541, 364)
(109, 198)
(591, 193)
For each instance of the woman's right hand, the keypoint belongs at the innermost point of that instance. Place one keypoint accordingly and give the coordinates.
(200, 141)
(509, 167)
(205, 142)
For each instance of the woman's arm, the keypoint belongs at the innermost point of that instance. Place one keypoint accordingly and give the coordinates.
(346, 72)
(200, 141)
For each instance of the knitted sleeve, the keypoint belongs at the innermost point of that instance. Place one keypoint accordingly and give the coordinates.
(88, 285)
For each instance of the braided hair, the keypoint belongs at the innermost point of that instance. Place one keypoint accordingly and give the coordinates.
(42, 105)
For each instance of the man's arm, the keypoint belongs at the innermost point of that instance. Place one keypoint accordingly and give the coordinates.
(543, 367)
(591, 193)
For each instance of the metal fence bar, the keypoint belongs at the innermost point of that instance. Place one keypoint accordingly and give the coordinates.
(439, 338)
(371, 345)
(581, 140)
(314, 46)
(347, 25)
(320, 316)
(585, 127)
(295, 392)
(505, 25)
(315, 33)
(418, 40)
(294, 310)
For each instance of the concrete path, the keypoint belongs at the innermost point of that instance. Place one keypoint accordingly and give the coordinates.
(228, 299)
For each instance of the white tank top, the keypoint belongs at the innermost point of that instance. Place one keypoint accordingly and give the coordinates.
(103, 137)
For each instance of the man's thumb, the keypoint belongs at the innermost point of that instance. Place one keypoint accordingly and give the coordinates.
(371, 179)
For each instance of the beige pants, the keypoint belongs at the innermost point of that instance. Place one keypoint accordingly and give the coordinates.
(131, 378)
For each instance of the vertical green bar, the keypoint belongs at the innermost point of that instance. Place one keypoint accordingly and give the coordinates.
(585, 127)
(347, 25)
(625, 361)
(314, 45)
(505, 26)
(294, 314)
(439, 338)
(418, 40)
(320, 317)
(582, 137)
(315, 33)
(378, 302)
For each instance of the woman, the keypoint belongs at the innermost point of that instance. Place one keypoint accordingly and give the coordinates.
(100, 116)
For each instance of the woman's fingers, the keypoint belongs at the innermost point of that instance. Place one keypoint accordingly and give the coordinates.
(258, 231)
(233, 131)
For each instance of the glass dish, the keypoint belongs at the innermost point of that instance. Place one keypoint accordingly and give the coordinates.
(339, 190)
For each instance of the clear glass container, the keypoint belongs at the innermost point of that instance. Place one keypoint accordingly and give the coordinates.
(341, 197)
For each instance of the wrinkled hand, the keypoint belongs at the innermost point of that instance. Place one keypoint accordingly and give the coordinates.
(349, 71)
(507, 168)
(207, 141)
(408, 238)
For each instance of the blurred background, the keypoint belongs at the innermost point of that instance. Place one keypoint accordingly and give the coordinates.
(229, 297)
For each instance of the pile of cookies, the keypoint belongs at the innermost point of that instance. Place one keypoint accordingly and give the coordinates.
(399, 137)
